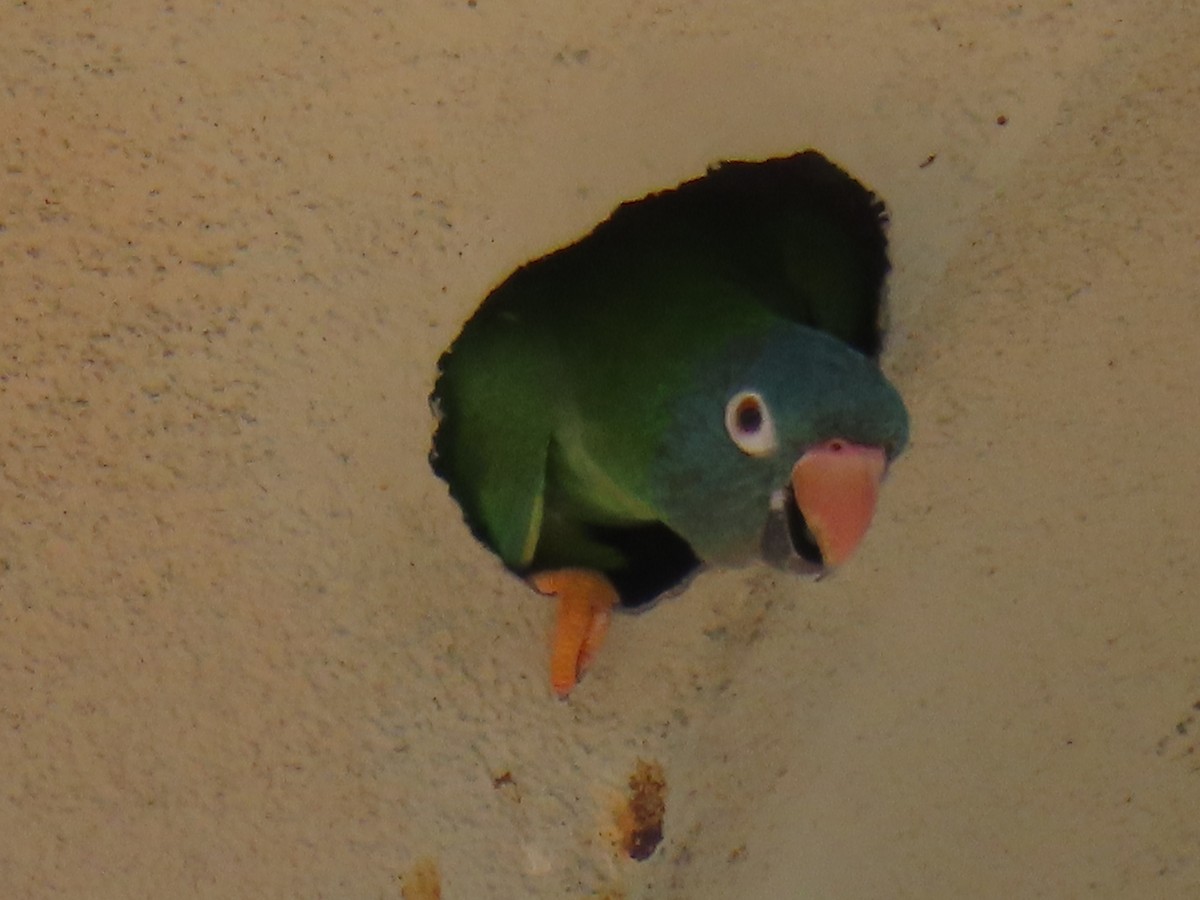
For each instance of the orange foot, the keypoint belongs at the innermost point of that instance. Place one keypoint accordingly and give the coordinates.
(585, 602)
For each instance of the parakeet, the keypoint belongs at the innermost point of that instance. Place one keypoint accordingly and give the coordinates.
(694, 382)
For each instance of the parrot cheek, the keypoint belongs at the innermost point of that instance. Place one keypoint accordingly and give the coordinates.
(835, 486)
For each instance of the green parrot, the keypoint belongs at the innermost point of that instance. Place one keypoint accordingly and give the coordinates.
(695, 382)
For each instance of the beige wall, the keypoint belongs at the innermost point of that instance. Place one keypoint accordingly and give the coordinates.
(247, 648)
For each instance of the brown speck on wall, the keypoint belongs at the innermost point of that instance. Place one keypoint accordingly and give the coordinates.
(423, 881)
(641, 821)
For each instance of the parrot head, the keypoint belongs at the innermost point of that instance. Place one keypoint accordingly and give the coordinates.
(777, 449)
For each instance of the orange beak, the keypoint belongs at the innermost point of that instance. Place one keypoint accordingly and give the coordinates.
(836, 485)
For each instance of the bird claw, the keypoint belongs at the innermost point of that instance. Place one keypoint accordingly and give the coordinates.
(585, 602)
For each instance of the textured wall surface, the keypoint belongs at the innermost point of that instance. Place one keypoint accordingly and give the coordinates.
(247, 646)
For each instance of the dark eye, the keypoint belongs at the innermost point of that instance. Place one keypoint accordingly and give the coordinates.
(749, 423)
(749, 415)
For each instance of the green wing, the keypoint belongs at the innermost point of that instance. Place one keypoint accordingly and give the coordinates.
(496, 422)
(536, 476)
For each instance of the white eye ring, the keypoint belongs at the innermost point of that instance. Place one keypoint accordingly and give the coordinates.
(749, 423)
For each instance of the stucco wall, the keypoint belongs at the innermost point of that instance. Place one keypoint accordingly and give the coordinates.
(248, 648)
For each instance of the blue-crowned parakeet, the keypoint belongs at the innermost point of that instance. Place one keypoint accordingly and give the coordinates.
(696, 381)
